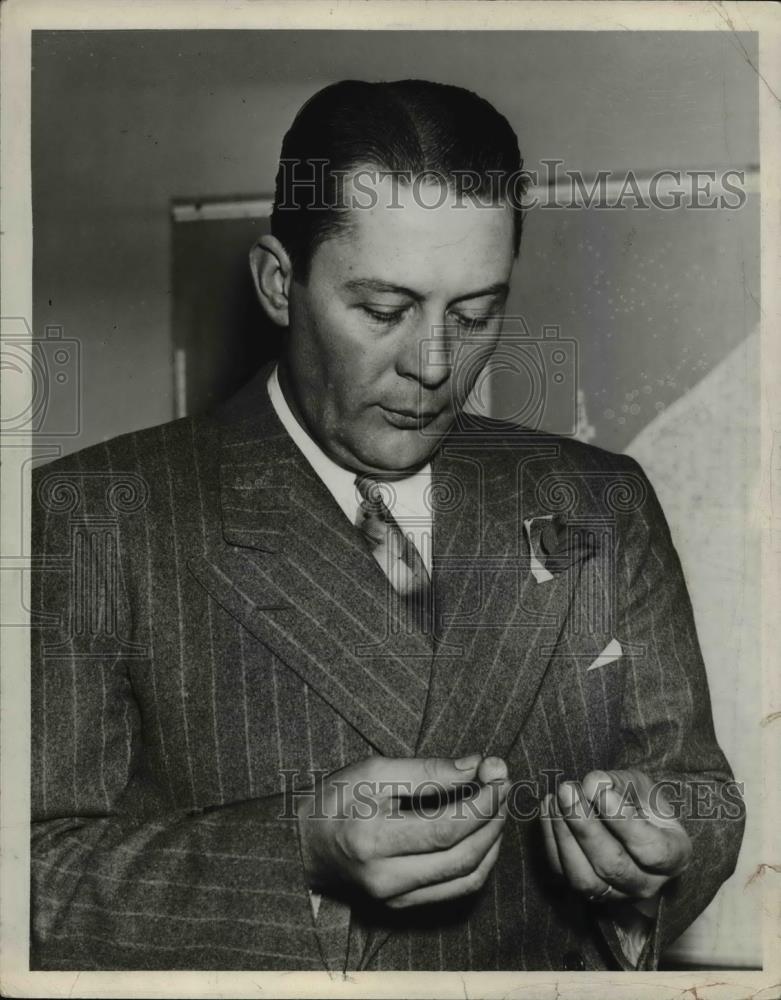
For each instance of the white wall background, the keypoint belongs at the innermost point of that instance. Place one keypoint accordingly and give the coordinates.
(702, 456)
(124, 122)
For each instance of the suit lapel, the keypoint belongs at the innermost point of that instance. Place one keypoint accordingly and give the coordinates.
(293, 570)
(499, 628)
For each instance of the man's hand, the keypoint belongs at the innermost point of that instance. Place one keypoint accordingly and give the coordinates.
(614, 830)
(355, 831)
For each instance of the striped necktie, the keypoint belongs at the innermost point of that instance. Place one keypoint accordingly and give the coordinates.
(395, 551)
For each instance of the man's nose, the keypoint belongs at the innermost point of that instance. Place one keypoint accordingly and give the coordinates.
(428, 358)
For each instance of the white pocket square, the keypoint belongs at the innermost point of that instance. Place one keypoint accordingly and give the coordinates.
(609, 654)
(539, 572)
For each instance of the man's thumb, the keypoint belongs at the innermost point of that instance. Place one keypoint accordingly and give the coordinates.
(414, 776)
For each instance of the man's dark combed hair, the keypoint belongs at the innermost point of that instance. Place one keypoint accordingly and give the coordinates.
(411, 128)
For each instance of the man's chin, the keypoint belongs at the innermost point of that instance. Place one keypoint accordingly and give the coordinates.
(398, 454)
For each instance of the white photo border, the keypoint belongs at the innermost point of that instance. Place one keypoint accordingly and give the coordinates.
(18, 18)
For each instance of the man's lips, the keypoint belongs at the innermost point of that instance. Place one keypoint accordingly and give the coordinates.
(409, 419)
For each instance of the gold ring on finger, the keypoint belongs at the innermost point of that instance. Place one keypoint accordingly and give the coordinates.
(596, 896)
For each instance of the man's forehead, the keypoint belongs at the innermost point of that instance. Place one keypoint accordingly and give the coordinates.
(422, 222)
(424, 202)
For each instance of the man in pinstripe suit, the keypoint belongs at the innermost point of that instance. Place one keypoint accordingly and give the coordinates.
(261, 633)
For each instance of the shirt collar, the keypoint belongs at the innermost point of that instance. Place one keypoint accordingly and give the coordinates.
(340, 482)
(411, 493)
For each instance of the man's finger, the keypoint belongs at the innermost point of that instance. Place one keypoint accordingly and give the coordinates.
(423, 829)
(549, 837)
(385, 777)
(491, 769)
(664, 850)
(577, 868)
(656, 843)
(604, 853)
(453, 889)
(393, 876)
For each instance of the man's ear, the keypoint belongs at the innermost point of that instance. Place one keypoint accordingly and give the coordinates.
(272, 274)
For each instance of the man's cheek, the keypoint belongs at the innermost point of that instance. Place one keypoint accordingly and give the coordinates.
(468, 373)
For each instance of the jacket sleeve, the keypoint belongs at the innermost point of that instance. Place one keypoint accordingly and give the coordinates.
(667, 726)
(119, 878)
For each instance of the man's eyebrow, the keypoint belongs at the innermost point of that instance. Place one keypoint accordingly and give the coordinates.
(377, 285)
(498, 288)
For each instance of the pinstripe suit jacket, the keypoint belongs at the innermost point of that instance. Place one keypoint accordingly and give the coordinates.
(205, 619)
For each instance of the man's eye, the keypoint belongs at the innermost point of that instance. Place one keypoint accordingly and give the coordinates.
(473, 322)
(384, 317)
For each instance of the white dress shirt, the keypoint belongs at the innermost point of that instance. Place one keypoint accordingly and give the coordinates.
(408, 499)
